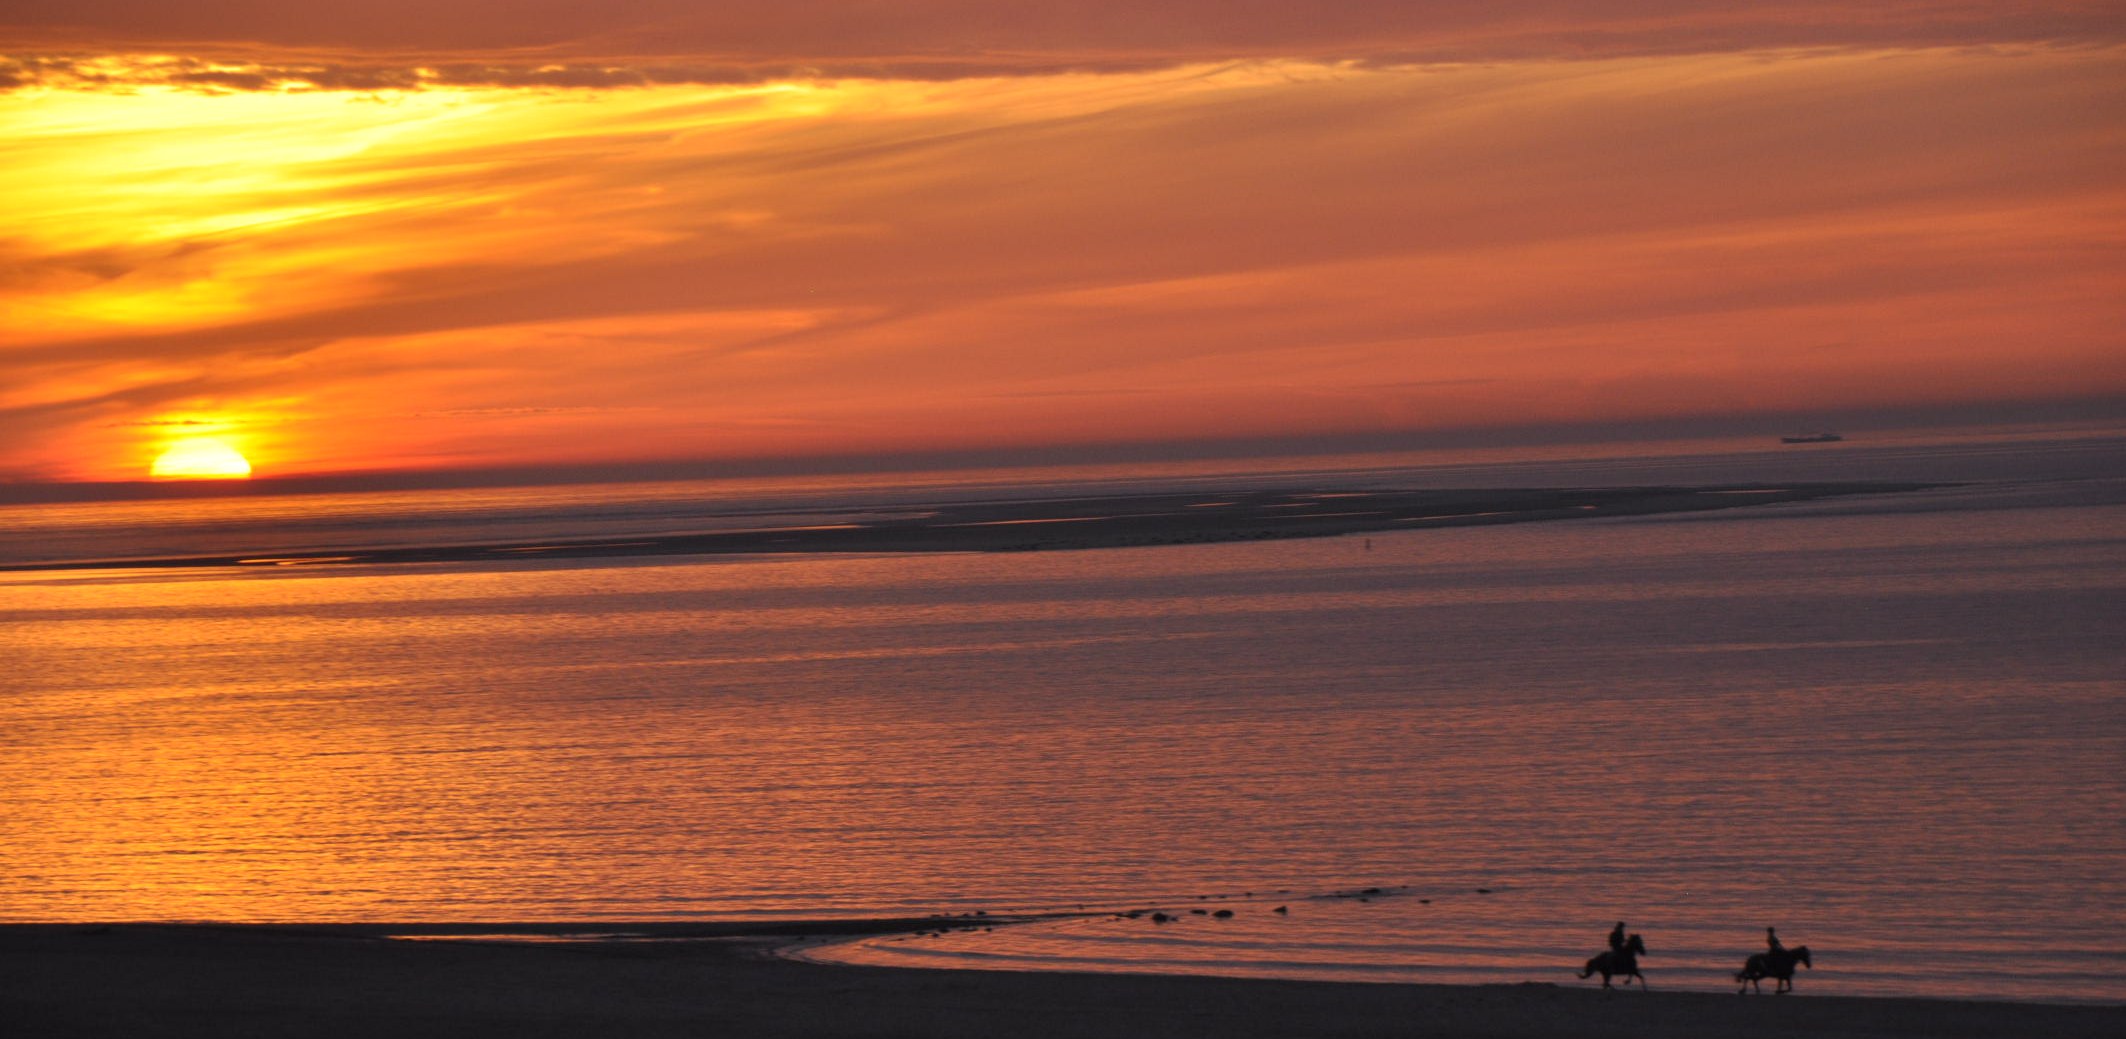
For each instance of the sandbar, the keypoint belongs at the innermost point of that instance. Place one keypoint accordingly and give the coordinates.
(1053, 524)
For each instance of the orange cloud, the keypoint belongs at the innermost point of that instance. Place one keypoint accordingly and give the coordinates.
(408, 44)
(471, 277)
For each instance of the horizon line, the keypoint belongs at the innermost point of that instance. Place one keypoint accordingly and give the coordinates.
(2105, 412)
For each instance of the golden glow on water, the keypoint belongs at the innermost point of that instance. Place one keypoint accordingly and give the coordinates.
(1633, 715)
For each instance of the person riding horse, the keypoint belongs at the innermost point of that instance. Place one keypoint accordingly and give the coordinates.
(1776, 962)
(1621, 961)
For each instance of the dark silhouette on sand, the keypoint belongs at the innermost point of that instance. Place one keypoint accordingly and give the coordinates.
(1777, 964)
(1622, 962)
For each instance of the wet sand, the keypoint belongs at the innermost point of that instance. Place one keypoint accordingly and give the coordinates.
(1117, 521)
(182, 981)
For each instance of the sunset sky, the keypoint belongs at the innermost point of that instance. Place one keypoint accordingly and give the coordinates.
(438, 234)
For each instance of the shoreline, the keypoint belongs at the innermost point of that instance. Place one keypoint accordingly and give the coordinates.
(1205, 516)
(184, 980)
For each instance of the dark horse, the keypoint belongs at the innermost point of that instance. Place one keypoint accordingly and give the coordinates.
(1622, 962)
(1776, 965)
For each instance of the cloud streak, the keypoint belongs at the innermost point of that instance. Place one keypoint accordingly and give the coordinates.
(376, 45)
(1252, 249)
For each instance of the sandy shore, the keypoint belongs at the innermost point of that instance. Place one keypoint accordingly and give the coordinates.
(1115, 521)
(144, 980)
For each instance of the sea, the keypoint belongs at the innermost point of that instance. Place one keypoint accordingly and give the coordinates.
(1892, 726)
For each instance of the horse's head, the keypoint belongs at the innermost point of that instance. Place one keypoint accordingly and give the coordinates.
(1635, 946)
(1801, 955)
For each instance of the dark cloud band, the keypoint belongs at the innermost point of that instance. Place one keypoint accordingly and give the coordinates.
(381, 45)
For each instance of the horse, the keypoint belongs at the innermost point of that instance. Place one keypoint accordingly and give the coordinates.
(1619, 962)
(1778, 966)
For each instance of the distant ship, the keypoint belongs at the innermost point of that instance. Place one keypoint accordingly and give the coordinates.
(1811, 438)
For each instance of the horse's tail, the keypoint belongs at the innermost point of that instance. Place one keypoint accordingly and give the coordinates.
(1591, 968)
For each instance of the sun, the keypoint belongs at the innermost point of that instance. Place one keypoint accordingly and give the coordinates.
(201, 458)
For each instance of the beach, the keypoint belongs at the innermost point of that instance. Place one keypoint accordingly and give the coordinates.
(952, 519)
(181, 981)
(1443, 757)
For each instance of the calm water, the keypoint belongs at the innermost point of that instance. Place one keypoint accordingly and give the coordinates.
(1894, 728)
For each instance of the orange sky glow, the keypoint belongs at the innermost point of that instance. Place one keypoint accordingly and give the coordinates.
(562, 234)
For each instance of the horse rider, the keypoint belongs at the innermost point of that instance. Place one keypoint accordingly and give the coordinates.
(1771, 941)
(1616, 938)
